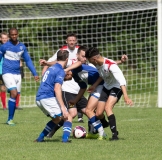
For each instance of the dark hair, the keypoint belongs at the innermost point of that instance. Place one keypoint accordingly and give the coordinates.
(71, 35)
(62, 55)
(91, 52)
(82, 48)
(12, 29)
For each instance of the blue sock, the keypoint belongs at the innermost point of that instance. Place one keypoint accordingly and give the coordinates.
(11, 108)
(49, 126)
(95, 122)
(66, 131)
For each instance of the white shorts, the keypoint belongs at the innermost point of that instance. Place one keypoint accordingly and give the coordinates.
(97, 92)
(12, 81)
(50, 107)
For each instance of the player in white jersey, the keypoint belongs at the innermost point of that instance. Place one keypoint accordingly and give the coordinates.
(11, 52)
(114, 86)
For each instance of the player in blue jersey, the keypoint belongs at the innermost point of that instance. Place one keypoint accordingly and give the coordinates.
(49, 98)
(11, 52)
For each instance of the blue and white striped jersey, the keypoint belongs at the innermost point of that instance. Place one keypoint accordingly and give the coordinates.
(54, 74)
(85, 75)
(12, 55)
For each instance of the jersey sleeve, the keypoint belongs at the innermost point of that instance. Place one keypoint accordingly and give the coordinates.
(29, 62)
(118, 75)
(2, 51)
(53, 58)
(82, 85)
(60, 77)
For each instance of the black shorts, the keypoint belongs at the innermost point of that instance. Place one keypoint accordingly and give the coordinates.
(81, 104)
(116, 92)
(1, 80)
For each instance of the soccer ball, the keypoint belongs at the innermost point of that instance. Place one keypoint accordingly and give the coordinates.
(79, 132)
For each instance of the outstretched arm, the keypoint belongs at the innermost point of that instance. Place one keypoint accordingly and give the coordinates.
(124, 58)
(73, 66)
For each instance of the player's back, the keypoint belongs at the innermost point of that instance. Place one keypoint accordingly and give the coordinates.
(54, 74)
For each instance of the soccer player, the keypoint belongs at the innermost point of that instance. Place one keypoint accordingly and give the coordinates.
(3, 38)
(11, 52)
(49, 97)
(114, 86)
(70, 88)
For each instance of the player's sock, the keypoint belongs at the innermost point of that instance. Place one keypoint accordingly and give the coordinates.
(91, 129)
(104, 122)
(112, 122)
(56, 127)
(97, 125)
(66, 131)
(46, 130)
(3, 99)
(11, 108)
(17, 100)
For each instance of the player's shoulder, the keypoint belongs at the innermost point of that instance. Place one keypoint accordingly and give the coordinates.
(109, 61)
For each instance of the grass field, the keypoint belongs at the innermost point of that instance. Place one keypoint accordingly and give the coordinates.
(140, 133)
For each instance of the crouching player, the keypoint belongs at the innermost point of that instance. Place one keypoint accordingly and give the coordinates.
(49, 98)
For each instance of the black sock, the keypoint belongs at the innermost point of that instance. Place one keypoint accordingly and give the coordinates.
(80, 115)
(112, 122)
(58, 126)
(104, 122)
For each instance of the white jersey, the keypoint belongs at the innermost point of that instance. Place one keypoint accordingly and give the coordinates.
(68, 86)
(111, 74)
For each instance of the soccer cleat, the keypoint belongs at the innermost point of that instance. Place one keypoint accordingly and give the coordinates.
(68, 141)
(114, 136)
(104, 137)
(37, 140)
(80, 120)
(19, 108)
(10, 122)
(91, 136)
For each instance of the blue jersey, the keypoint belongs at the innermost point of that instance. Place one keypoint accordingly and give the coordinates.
(12, 55)
(54, 74)
(85, 75)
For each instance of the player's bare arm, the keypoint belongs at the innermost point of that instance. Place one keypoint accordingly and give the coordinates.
(73, 66)
(77, 98)
(125, 95)
(123, 59)
(43, 62)
(92, 88)
(36, 78)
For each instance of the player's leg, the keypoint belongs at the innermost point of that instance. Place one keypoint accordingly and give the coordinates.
(114, 96)
(91, 106)
(99, 111)
(67, 127)
(3, 96)
(80, 117)
(10, 83)
(66, 97)
(51, 108)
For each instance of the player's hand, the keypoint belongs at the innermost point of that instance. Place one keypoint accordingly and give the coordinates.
(65, 114)
(91, 89)
(124, 58)
(36, 78)
(128, 101)
(42, 62)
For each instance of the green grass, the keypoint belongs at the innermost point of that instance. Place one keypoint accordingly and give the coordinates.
(140, 138)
